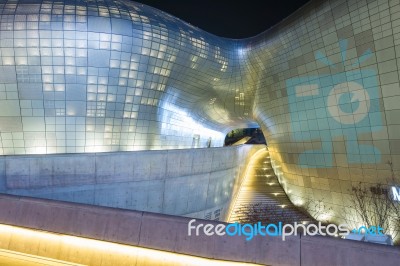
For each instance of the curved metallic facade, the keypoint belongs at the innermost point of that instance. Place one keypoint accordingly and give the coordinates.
(90, 76)
(93, 76)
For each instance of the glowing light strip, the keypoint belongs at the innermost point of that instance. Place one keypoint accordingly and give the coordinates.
(16, 258)
(80, 249)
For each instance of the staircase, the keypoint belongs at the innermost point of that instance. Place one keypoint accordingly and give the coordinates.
(261, 195)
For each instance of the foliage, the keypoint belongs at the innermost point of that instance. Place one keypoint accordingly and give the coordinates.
(374, 205)
(318, 209)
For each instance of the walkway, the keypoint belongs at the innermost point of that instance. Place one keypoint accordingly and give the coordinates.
(262, 197)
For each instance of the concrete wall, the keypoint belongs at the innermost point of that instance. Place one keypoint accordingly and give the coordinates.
(194, 182)
(168, 233)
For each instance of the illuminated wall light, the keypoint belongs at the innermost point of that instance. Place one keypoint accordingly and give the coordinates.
(172, 58)
(21, 61)
(19, 43)
(91, 80)
(125, 65)
(40, 150)
(34, 52)
(129, 99)
(157, 70)
(114, 63)
(224, 66)
(8, 61)
(81, 52)
(47, 87)
(134, 66)
(111, 98)
(59, 87)
(91, 97)
(47, 78)
(145, 51)
(139, 84)
(165, 72)
(69, 18)
(102, 89)
(71, 113)
(81, 71)
(102, 81)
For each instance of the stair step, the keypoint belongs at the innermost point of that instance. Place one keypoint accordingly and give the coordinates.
(262, 186)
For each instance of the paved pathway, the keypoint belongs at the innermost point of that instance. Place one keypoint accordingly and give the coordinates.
(261, 186)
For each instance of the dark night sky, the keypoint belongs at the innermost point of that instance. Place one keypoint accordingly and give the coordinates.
(228, 19)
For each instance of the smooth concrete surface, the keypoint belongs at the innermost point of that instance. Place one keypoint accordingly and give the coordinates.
(322, 251)
(192, 182)
(91, 252)
(169, 233)
(148, 230)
